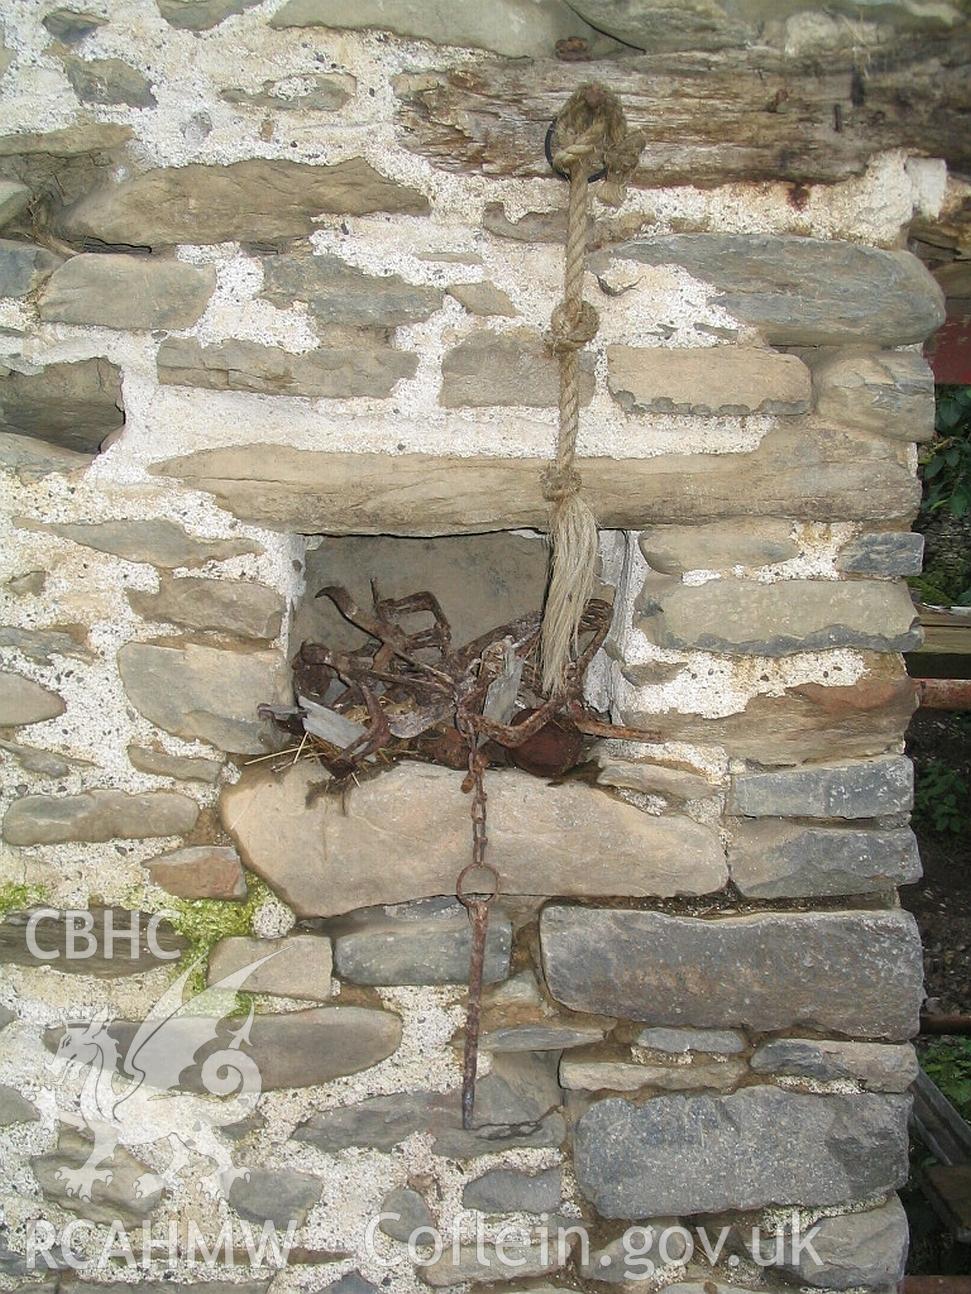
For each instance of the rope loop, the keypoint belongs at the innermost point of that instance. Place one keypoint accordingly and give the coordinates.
(560, 483)
(571, 330)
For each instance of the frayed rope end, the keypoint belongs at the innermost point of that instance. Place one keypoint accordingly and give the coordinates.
(575, 544)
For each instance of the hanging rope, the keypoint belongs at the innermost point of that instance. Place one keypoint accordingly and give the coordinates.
(589, 134)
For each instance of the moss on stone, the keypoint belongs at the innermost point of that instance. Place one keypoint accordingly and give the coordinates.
(15, 897)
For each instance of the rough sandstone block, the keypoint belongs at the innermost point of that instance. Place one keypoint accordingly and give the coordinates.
(156, 541)
(98, 815)
(747, 618)
(226, 606)
(716, 380)
(23, 701)
(612, 1069)
(888, 392)
(858, 973)
(511, 368)
(133, 292)
(200, 872)
(74, 405)
(23, 266)
(879, 1067)
(207, 693)
(338, 293)
(299, 966)
(755, 1147)
(571, 839)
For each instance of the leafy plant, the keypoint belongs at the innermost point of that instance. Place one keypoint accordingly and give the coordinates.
(941, 798)
(947, 462)
(948, 1062)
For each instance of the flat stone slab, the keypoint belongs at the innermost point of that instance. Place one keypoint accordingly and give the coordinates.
(280, 1196)
(612, 1069)
(134, 292)
(23, 266)
(157, 541)
(748, 618)
(106, 942)
(868, 789)
(571, 839)
(805, 291)
(411, 1210)
(879, 1067)
(22, 701)
(300, 966)
(509, 1190)
(96, 816)
(186, 768)
(855, 1250)
(512, 368)
(331, 372)
(339, 293)
(672, 550)
(806, 473)
(680, 1042)
(122, 1198)
(771, 859)
(290, 1049)
(858, 973)
(259, 199)
(235, 607)
(755, 1147)
(707, 381)
(382, 949)
(895, 553)
(207, 693)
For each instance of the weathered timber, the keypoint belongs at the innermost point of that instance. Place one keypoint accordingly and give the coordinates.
(709, 118)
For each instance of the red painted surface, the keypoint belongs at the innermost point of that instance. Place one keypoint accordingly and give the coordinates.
(949, 350)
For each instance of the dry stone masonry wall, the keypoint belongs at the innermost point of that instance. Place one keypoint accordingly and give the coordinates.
(240, 309)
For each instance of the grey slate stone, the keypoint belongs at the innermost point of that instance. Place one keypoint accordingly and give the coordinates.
(678, 1042)
(299, 966)
(887, 392)
(114, 952)
(352, 1283)
(43, 762)
(879, 1067)
(511, 368)
(201, 15)
(376, 1123)
(753, 542)
(338, 293)
(772, 859)
(22, 701)
(503, 27)
(13, 199)
(72, 25)
(15, 1108)
(6, 1017)
(755, 1147)
(859, 973)
(413, 1212)
(131, 292)
(75, 405)
(122, 1197)
(867, 789)
(33, 459)
(897, 552)
(261, 199)
(97, 816)
(108, 81)
(331, 372)
(207, 693)
(613, 1264)
(41, 644)
(745, 617)
(855, 1250)
(509, 1190)
(324, 92)
(614, 1069)
(290, 1049)
(519, 1257)
(24, 267)
(276, 1195)
(483, 299)
(430, 950)
(805, 291)
(158, 541)
(237, 607)
(539, 1035)
(186, 768)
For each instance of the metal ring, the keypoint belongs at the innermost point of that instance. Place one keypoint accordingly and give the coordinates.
(466, 898)
(548, 149)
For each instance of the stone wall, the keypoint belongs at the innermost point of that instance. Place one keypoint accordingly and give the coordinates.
(239, 310)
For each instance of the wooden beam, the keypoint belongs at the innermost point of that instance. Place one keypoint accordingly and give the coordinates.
(710, 118)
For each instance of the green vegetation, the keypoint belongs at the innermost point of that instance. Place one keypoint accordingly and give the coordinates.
(941, 798)
(945, 514)
(948, 1062)
(15, 897)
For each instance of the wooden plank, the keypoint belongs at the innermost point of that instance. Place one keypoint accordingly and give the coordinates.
(709, 118)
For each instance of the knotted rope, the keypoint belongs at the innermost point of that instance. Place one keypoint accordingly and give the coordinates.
(590, 133)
